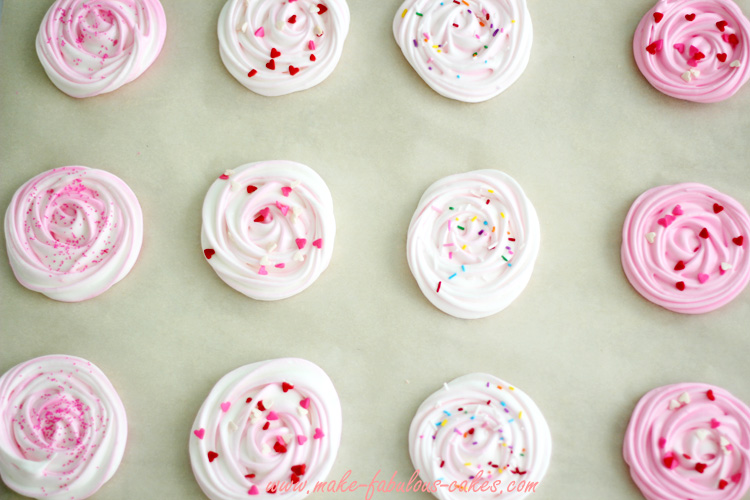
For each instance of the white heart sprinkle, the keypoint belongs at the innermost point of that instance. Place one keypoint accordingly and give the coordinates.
(272, 247)
(264, 261)
(298, 256)
(701, 433)
(288, 438)
(232, 426)
(268, 404)
(725, 266)
(254, 415)
(687, 76)
(266, 449)
(295, 184)
(302, 412)
(684, 398)
(696, 73)
(651, 237)
(229, 173)
(735, 64)
(244, 27)
(235, 185)
(723, 441)
(673, 404)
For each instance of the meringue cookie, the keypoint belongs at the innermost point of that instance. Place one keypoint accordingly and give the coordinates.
(268, 426)
(689, 441)
(479, 429)
(73, 232)
(276, 48)
(63, 428)
(90, 48)
(697, 50)
(470, 51)
(268, 228)
(685, 247)
(473, 242)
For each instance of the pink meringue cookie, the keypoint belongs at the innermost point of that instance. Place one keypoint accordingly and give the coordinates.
(685, 247)
(89, 47)
(63, 428)
(689, 441)
(73, 232)
(697, 50)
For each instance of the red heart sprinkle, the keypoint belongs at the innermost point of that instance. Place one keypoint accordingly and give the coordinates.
(687, 457)
(292, 19)
(721, 25)
(699, 56)
(471, 431)
(251, 189)
(280, 448)
(710, 395)
(658, 16)
(721, 57)
(209, 252)
(704, 233)
(275, 53)
(312, 57)
(733, 40)
(738, 240)
(295, 479)
(318, 243)
(212, 455)
(322, 9)
(680, 285)
(293, 71)
(285, 387)
(700, 467)
(299, 469)
(259, 218)
(717, 208)
(249, 400)
(252, 73)
(689, 17)
(657, 45)
(668, 461)
(250, 476)
(723, 484)
(271, 65)
(266, 426)
(680, 266)
(260, 406)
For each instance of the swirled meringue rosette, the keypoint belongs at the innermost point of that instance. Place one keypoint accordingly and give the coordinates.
(697, 50)
(470, 51)
(473, 242)
(689, 441)
(268, 228)
(63, 428)
(89, 47)
(276, 48)
(73, 232)
(272, 426)
(685, 247)
(480, 431)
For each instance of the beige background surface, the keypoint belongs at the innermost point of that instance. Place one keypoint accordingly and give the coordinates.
(582, 131)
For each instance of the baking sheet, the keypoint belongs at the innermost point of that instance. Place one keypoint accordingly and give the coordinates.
(582, 132)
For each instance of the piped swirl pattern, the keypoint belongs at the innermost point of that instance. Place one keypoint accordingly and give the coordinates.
(479, 428)
(73, 232)
(275, 48)
(473, 242)
(471, 50)
(62, 430)
(90, 47)
(685, 247)
(689, 441)
(268, 228)
(697, 50)
(272, 421)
